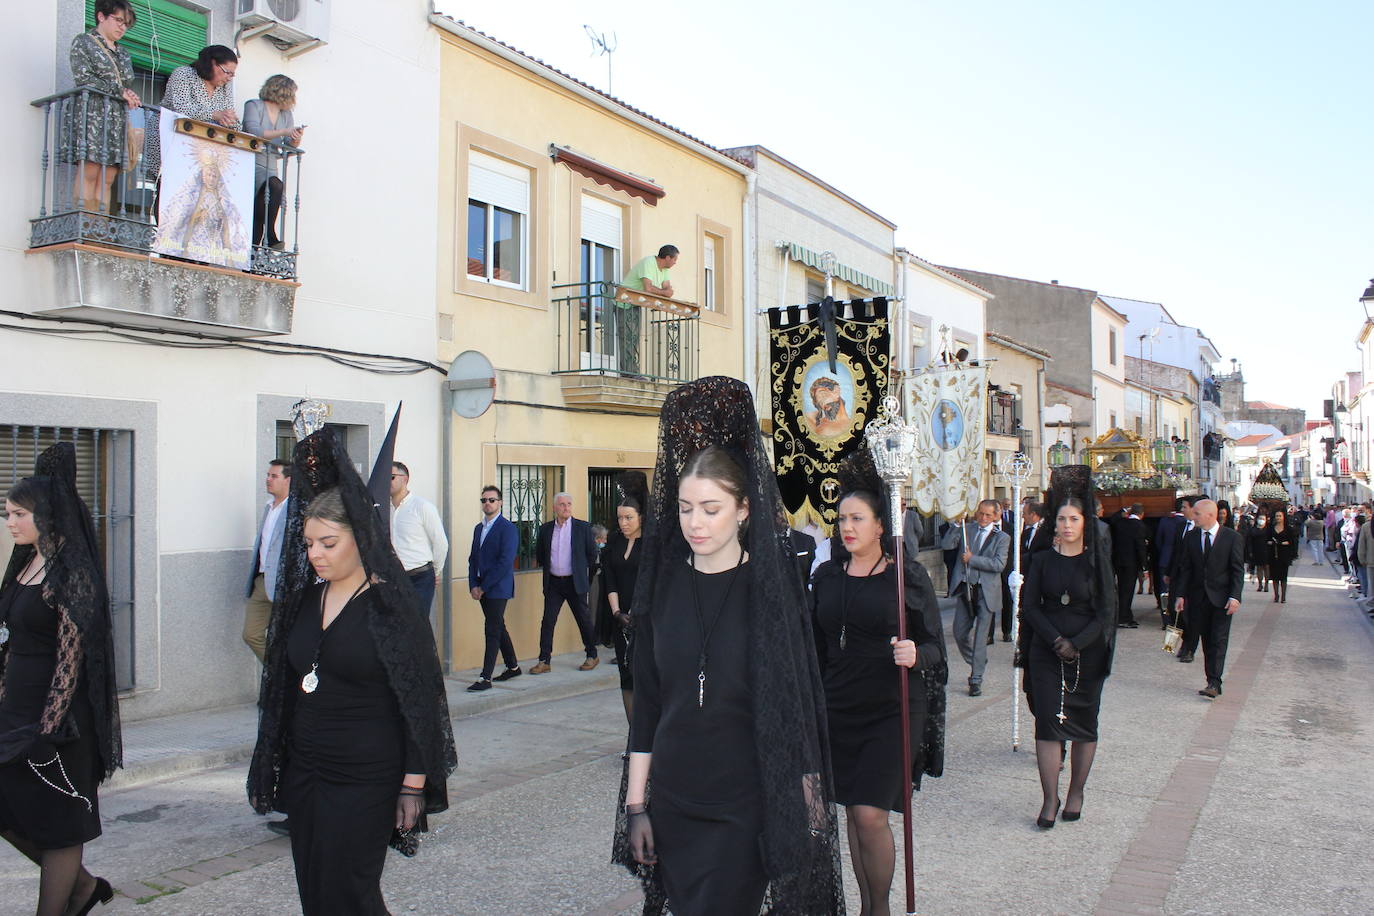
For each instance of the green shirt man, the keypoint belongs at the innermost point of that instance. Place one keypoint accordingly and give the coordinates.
(650, 275)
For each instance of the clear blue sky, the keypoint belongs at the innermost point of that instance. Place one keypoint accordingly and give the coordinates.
(1215, 157)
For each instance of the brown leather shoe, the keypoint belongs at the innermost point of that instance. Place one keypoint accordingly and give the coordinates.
(541, 668)
(1210, 692)
(589, 664)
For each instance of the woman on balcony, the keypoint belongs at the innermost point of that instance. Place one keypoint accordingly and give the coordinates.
(270, 117)
(94, 124)
(202, 89)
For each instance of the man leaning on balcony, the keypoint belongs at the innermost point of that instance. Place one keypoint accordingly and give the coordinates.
(650, 274)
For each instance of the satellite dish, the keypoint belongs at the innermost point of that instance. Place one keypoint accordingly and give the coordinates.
(471, 384)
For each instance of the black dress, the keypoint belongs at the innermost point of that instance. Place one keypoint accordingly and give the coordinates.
(704, 786)
(863, 705)
(1078, 684)
(1261, 550)
(618, 575)
(1283, 550)
(347, 755)
(30, 805)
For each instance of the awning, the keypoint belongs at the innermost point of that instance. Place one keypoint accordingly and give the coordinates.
(611, 177)
(847, 274)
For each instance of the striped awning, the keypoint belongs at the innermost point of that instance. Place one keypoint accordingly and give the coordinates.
(847, 274)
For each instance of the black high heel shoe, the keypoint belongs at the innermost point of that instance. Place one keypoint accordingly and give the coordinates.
(1047, 824)
(1067, 815)
(102, 895)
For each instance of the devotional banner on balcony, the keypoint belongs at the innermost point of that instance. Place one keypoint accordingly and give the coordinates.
(206, 201)
(829, 373)
(946, 407)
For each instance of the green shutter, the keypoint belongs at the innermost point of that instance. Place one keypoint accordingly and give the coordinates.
(180, 34)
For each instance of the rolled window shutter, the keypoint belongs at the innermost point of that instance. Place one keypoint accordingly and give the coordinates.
(497, 182)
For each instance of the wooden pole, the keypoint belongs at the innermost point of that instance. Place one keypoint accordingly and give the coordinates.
(903, 686)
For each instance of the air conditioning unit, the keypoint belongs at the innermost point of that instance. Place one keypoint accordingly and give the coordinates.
(292, 22)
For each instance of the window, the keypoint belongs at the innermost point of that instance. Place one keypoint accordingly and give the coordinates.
(1139, 425)
(602, 339)
(815, 289)
(104, 478)
(286, 438)
(498, 217)
(527, 491)
(1111, 349)
(712, 292)
(1111, 422)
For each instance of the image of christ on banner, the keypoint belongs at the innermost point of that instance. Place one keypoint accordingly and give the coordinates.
(946, 407)
(207, 196)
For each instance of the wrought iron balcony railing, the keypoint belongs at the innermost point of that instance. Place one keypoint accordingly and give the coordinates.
(1002, 414)
(79, 122)
(606, 330)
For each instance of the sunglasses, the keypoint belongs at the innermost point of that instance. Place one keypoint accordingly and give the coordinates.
(490, 499)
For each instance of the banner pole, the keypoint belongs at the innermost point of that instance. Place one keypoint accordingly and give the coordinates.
(1018, 470)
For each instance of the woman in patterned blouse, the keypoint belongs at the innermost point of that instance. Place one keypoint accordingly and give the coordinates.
(93, 123)
(202, 90)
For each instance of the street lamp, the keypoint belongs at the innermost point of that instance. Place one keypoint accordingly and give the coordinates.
(1183, 457)
(1058, 455)
(1161, 454)
(1367, 299)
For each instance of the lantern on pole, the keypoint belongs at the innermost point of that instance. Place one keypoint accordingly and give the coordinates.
(1058, 455)
(1161, 454)
(892, 444)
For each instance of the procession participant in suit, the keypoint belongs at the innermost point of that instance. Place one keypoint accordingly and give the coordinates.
(262, 576)
(1007, 523)
(1128, 559)
(566, 551)
(1190, 637)
(976, 582)
(491, 578)
(1211, 579)
(1167, 532)
(1258, 551)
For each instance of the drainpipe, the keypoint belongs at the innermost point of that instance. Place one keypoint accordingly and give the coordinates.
(749, 315)
(446, 492)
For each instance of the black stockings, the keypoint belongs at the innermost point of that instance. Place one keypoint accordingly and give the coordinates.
(63, 883)
(874, 855)
(1048, 759)
(627, 697)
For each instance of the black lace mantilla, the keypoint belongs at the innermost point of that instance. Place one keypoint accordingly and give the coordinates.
(405, 643)
(800, 843)
(74, 586)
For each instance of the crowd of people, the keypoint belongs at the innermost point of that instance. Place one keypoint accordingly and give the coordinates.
(100, 138)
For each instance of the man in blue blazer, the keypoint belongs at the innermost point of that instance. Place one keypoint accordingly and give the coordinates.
(262, 572)
(491, 576)
(566, 551)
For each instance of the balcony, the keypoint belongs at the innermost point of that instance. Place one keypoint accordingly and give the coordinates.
(104, 258)
(1003, 414)
(621, 348)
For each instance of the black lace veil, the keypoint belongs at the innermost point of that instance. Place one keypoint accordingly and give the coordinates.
(800, 844)
(74, 581)
(405, 643)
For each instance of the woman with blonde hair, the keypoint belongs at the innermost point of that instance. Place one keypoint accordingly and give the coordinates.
(271, 117)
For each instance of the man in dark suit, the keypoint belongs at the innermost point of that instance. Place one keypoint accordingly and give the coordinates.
(566, 551)
(1210, 581)
(804, 555)
(1189, 647)
(1167, 533)
(491, 578)
(1008, 523)
(1128, 559)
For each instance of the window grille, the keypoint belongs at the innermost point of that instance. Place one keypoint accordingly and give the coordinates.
(527, 500)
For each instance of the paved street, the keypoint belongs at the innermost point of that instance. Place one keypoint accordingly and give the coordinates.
(1257, 803)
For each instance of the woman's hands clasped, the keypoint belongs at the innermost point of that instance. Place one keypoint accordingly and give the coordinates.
(904, 652)
(1065, 649)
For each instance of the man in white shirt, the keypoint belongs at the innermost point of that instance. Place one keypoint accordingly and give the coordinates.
(417, 536)
(262, 577)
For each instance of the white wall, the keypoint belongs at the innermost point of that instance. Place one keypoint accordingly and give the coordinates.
(933, 300)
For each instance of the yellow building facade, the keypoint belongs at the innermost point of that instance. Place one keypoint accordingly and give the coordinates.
(549, 192)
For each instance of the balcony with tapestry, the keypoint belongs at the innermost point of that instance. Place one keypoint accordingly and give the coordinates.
(623, 349)
(170, 243)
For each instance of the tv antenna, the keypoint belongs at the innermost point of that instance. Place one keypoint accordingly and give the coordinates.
(601, 45)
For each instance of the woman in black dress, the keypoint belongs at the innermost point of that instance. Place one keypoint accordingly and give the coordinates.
(854, 602)
(1283, 550)
(1068, 601)
(620, 569)
(354, 741)
(727, 796)
(59, 714)
(1259, 551)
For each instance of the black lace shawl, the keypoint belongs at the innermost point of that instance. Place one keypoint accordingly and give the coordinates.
(405, 643)
(1074, 481)
(800, 843)
(74, 586)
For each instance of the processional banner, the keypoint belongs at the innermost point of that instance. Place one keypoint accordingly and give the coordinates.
(829, 373)
(946, 406)
(206, 198)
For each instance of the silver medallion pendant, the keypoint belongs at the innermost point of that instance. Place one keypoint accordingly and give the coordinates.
(311, 681)
(4, 633)
(843, 641)
(1064, 599)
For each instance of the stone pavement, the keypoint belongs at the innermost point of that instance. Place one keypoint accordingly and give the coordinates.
(1256, 803)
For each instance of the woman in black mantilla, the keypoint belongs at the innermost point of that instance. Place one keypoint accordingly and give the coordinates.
(854, 605)
(59, 712)
(620, 570)
(354, 740)
(728, 805)
(1068, 601)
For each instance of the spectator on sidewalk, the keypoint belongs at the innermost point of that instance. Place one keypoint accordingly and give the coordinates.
(566, 551)
(262, 576)
(417, 536)
(1315, 532)
(491, 580)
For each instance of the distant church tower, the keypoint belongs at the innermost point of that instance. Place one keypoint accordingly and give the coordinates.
(1232, 387)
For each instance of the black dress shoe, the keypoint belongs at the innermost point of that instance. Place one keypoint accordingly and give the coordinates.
(1006, 637)
(1044, 824)
(102, 895)
(1128, 625)
(282, 827)
(1186, 657)
(477, 686)
(975, 690)
(508, 674)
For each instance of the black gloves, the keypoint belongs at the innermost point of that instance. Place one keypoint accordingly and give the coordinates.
(641, 835)
(410, 805)
(1065, 649)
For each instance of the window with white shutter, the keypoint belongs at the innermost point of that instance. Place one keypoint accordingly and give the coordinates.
(498, 220)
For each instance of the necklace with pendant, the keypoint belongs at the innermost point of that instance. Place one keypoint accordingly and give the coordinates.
(311, 682)
(845, 597)
(701, 623)
(5, 624)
